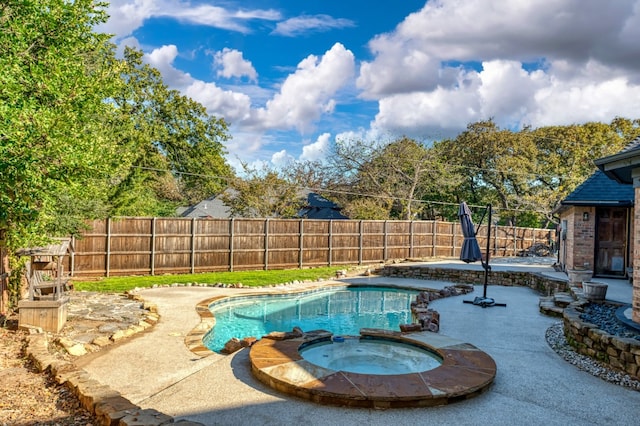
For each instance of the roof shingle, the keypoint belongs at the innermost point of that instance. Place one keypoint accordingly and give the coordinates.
(599, 189)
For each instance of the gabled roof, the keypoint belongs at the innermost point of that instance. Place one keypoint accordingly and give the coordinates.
(318, 207)
(620, 166)
(211, 207)
(599, 190)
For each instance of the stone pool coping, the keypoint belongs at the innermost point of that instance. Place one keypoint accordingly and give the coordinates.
(466, 371)
(194, 339)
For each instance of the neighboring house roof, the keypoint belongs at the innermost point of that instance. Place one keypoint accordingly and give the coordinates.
(599, 190)
(211, 207)
(620, 166)
(318, 207)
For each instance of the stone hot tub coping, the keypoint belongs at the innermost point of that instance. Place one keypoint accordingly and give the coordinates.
(466, 371)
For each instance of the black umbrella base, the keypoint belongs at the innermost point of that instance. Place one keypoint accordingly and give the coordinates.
(485, 302)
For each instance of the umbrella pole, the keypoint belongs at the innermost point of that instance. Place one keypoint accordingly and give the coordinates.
(485, 301)
(488, 254)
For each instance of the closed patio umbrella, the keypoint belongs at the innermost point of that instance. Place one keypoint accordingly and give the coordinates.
(470, 251)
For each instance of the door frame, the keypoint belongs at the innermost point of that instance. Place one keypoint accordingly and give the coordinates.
(627, 235)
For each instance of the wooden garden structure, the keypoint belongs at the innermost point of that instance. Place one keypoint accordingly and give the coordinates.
(46, 304)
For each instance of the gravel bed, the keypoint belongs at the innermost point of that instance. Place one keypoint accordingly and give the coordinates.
(604, 316)
(557, 341)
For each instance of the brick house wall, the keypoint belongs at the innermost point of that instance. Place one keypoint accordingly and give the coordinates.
(577, 250)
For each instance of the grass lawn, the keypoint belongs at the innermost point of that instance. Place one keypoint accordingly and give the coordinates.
(246, 278)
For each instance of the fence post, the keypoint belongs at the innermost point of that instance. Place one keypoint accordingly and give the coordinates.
(434, 236)
(361, 241)
(266, 244)
(301, 243)
(411, 239)
(152, 265)
(384, 251)
(72, 260)
(231, 244)
(515, 240)
(453, 243)
(108, 253)
(193, 245)
(495, 239)
(533, 240)
(330, 241)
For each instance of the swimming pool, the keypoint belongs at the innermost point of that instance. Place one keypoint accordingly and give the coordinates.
(340, 310)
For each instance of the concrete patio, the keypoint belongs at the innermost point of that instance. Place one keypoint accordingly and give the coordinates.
(533, 384)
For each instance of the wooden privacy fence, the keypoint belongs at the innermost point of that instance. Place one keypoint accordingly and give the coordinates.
(152, 246)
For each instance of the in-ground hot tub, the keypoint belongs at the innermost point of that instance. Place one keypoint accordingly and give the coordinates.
(369, 355)
(465, 371)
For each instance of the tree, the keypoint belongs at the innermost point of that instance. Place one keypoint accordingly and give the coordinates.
(57, 154)
(528, 173)
(494, 165)
(179, 155)
(383, 181)
(263, 193)
(56, 150)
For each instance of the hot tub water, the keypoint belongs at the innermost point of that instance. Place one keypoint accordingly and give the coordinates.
(370, 356)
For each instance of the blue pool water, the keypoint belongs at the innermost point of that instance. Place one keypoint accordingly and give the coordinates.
(341, 310)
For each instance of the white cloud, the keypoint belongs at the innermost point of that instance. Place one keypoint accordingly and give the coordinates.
(234, 107)
(230, 105)
(535, 62)
(218, 17)
(539, 62)
(318, 149)
(162, 59)
(232, 64)
(308, 92)
(310, 23)
(125, 16)
(128, 15)
(281, 158)
(560, 104)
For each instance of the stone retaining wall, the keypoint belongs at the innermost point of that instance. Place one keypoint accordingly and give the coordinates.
(539, 282)
(619, 353)
(107, 405)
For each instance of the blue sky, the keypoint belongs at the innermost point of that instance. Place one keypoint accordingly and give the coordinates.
(291, 76)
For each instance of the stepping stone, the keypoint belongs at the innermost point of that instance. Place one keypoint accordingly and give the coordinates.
(563, 300)
(548, 307)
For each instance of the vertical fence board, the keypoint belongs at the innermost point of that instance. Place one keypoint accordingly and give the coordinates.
(127, 246)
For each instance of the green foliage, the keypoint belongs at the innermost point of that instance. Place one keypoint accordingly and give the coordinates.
(263, 193)
(56, 75)
(395, 177)
(526, 174)
(16, 265)
(177, 147)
